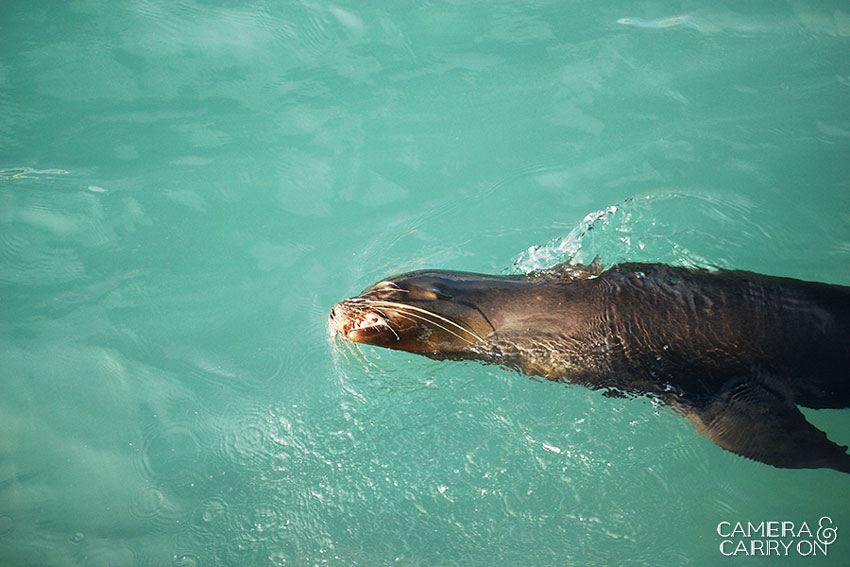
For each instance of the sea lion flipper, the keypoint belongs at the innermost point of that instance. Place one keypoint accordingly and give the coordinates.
(753, 421)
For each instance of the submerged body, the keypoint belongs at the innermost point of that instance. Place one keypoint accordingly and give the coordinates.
(735, 352)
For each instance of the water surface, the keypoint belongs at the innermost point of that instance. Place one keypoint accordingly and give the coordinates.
(187, 187)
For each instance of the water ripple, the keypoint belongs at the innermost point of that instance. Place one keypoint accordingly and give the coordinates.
(101, 552)
(148, 503)
(26, 172)
(187, 560)
(245, 440)
(152, 506)
(250, 369)
(210, 518)
(170, 453)
(649, 228)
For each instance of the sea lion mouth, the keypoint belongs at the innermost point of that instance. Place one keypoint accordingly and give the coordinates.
(368, 324)
(354, 322)
(367, 321)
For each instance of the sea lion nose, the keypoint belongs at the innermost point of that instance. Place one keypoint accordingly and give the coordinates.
(337, 313)
(338, 318)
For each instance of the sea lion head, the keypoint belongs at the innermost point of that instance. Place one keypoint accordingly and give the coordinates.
(437, 312)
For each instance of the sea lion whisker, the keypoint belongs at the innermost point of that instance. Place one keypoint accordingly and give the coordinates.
(431, 318)
(404, 306)
(346, 349)
(396, 305)
(384, 323)
(415, 317)
(354, 351)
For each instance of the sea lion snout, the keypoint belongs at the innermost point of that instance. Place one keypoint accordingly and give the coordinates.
(415, 312)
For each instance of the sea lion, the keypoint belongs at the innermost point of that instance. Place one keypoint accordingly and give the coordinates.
(735, 352)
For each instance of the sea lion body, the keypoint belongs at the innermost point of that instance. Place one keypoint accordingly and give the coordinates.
(735, 352)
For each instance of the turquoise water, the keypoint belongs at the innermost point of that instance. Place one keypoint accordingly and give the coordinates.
(186, 188)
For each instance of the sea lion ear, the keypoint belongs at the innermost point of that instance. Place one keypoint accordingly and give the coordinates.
(570, 272)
